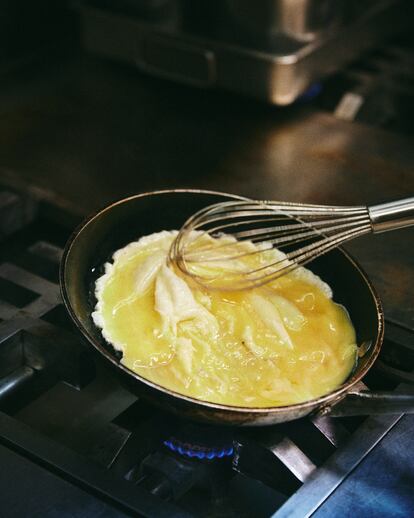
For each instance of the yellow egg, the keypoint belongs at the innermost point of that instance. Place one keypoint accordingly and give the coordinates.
(276, 345)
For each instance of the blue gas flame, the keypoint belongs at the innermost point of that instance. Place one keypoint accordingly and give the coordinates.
(197, 452)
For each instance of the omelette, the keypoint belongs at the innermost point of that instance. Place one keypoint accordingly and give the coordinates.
(280, 344)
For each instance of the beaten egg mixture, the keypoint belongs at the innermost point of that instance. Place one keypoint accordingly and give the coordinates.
(280, 344)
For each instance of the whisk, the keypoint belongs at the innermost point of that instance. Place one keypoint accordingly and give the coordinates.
(267, 239)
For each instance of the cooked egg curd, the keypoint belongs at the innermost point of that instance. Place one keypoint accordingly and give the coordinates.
(280, 344)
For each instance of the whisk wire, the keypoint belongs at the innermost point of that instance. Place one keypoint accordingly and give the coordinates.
(299, 232)
(286, 264)
(278, 236)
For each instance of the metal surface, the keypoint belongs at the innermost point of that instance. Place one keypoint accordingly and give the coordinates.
(283, 68)
(298, 463)
(144, 134)
(109, 448)
(91, 244)
(45, 493)
(323, 482)
(376, 90)
(301, 232)
(397, 365)
(50, 454)
(304, 19)
(84, 131)
(373, 403)
(332, 429)
(88, 131)
(15, 212)
(392, 215)
(15, 380)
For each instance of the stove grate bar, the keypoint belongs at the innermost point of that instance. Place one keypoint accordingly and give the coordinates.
(294, 459)
(332, 429)
(29, 281)
(323, 481)
(83, 473)
(47, 292)
(47, 251)
(7, 311)
(10, 328)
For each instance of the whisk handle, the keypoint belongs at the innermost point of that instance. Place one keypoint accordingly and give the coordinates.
(392, 215)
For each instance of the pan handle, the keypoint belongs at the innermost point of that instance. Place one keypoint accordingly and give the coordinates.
(366, 402)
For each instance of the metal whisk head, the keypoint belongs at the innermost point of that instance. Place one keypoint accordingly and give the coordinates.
(243, 244)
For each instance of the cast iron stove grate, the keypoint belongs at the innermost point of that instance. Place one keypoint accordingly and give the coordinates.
(376, 89)
(62, 411)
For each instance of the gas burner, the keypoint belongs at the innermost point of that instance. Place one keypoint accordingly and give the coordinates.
(200, 452)
(201, 442)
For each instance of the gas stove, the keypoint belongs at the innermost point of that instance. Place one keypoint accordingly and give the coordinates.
(73, 441)
(82, 436)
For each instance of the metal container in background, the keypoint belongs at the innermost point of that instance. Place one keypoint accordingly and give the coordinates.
(274, 50)
(304, 20)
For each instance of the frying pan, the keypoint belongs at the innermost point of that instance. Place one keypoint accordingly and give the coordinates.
(97, 238)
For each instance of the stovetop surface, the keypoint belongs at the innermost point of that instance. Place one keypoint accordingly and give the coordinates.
(81, 133)
(82, 443)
